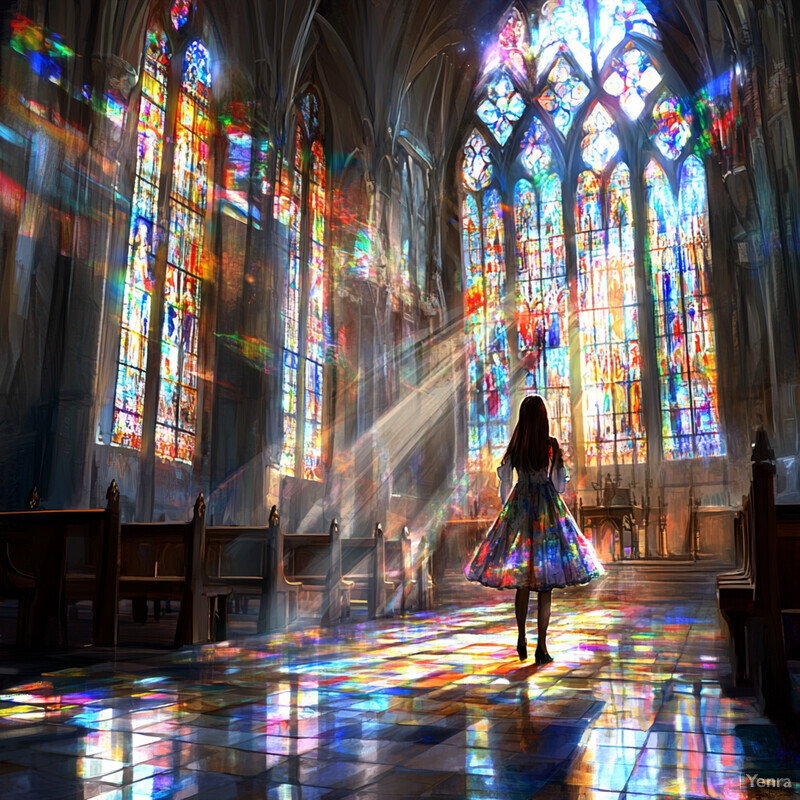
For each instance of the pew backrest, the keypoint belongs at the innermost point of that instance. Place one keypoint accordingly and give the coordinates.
(71, 554)
(307, 556)
(237, 552)
(167, 561)
(314, 562)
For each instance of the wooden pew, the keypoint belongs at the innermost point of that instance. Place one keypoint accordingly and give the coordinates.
(372, 571)
(749, 597)
(167, 561)
(736, 589)
(314, 560)
(250, 562)
(16, 585)
(52, 557)
(364, 565)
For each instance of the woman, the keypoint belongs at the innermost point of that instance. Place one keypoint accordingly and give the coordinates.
(534, 543)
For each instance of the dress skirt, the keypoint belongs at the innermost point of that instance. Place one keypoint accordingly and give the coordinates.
(534, 543)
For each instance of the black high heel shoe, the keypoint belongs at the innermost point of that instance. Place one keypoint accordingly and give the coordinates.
(522, 649)
(542, 657)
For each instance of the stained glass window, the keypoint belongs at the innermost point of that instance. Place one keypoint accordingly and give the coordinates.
(608, 320)
(496, 387)
(139, 278)
(502, 107)
(586, 53)
(474, 301)
(542, 299)
(315, 317)
(176, 419)
(633, 76)
(563, 27)
(477, 168)
(599, 144)
(662, 230)
(179, 13)
(309, 108)
(564, 94)
(672, 127)
(487, 358)
(512, 46)
(678, 242)
(291, 312)
(695, 253)
(305, 322)
(617, 18)
(537, 149)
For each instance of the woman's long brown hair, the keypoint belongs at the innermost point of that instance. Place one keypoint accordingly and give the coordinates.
(529, 448)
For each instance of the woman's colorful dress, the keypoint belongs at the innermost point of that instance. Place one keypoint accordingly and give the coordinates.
(535, 541)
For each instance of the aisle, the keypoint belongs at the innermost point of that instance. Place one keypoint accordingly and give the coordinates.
(435, 706)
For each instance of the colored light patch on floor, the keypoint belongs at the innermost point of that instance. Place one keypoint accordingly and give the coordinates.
(433, 705)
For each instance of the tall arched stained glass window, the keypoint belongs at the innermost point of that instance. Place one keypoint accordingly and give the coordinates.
(695, 255)
(542, 290)
(495, 375)
(483, 236)
(173, 418)
(291, 313)
(678, 242)
(607, 301)
(472, 254)
(139, 277)
(176, 420)
(558, 126)
(305, 316)
(315, 316)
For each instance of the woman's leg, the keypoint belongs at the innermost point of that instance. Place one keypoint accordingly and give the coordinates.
(542, 621)
(521, 612)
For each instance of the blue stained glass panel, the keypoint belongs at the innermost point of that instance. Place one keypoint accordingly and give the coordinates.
(616, 19)
(608, 320)
(600, 143)
(563, 94)
(633, 76)
(502, 107)
(139, 277)
(477, 169)
(537, 149)
(563, 27)
(672, 126)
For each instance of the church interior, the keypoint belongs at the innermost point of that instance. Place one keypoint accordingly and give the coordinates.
(275, 278)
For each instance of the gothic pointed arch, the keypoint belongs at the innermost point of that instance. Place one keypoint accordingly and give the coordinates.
(176, 419)
(176, 178)
(306, 334)
(567, 100)
(128, 418)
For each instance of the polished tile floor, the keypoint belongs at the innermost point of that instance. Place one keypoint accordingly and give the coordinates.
(434, 705)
